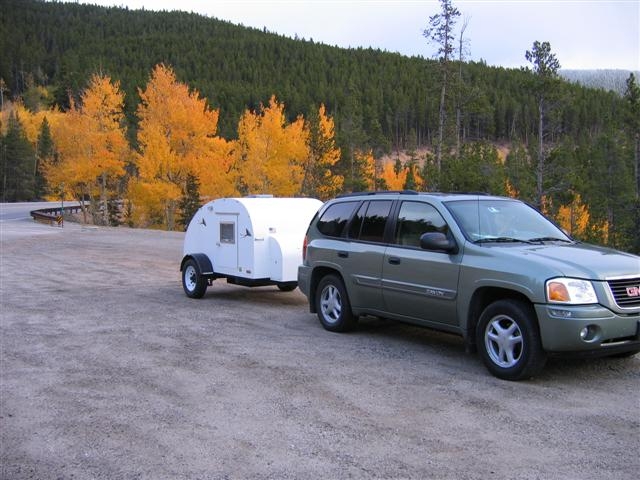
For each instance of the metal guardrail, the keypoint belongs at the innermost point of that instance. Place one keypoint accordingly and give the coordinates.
(55, 215)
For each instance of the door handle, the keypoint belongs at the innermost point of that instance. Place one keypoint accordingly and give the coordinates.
(342, 254)
(394, 260)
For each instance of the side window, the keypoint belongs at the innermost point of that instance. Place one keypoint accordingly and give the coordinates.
(375, 220)
(416, 218)
(356, 223)
(334, 218)
(227, 232)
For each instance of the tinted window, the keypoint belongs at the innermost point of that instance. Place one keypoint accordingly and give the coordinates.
(356, 223)
(335, 217)
(416, 219)
(375, 221)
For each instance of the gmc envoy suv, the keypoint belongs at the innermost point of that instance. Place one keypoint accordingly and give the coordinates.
(491, 269)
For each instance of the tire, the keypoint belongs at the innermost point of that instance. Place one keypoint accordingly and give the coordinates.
(332, 305)
(193, 283)
(287, 286)
(508, 340)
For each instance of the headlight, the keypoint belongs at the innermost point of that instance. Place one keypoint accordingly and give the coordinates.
(570, 291)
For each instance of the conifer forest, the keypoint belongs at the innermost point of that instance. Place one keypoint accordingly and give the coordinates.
(142, 116)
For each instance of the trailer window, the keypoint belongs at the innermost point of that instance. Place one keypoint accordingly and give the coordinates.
(227, 232)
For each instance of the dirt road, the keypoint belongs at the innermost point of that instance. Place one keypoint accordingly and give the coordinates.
(109, 371)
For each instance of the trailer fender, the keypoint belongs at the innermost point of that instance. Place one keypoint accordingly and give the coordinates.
(203, 261)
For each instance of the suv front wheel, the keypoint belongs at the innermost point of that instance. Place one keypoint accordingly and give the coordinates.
(332, 305)
(508, 340)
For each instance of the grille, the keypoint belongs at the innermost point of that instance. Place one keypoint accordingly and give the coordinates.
(626, 292)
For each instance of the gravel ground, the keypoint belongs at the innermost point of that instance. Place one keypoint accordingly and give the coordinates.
(109, 371)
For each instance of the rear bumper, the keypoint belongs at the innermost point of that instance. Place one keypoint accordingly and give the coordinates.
(304, 280)
(590, 330)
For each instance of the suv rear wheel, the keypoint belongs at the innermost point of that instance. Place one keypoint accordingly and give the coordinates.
(508, 340)
(332, 305)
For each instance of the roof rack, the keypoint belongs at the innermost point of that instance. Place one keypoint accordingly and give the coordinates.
(379, 192)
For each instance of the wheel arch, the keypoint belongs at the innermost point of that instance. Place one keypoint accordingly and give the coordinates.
(482, 298)
(202, 260)
(316, 276)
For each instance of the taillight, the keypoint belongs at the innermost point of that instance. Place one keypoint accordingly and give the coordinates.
(304, 248)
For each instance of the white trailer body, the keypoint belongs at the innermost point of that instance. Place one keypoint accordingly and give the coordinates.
(250, 241)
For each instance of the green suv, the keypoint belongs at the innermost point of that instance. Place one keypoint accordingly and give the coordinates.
(491, 269)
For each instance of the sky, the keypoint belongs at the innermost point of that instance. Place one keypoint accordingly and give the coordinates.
(584, 34)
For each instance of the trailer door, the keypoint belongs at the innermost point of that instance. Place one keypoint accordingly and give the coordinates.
(226, 259)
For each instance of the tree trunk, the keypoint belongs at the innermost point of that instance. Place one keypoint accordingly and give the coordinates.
(540, 167)
(441, 121)
(637, 162)
(103, 199)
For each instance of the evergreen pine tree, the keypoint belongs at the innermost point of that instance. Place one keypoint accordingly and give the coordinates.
(190, 201)
(18, 164)
(45, 151)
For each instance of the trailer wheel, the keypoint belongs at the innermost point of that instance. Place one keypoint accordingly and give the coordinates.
(287, 286)
(193, 283)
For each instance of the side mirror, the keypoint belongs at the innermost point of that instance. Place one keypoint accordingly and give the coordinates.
(437, 241)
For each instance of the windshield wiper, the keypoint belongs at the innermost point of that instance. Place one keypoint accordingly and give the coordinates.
(549, 239)
(501, 240)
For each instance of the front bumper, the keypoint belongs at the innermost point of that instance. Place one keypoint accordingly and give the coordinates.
(589, 329)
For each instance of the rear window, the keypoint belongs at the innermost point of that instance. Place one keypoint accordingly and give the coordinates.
(334, 218)
(370, 226)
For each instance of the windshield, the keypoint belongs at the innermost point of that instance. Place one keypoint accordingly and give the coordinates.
(503, 220)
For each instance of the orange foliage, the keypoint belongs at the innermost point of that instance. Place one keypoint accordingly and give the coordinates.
(511, 190)
(177, 137)
(319, 181)
(91, 143)
(394, 181)
(574, 218)
(31, 122)
(269, 153)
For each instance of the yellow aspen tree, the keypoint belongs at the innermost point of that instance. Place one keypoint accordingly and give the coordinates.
(393, 180)
(510, 190)
(270, 153)
(319, 181)
(177, 138)
(574, 218)
(92, 147)
(30, 121)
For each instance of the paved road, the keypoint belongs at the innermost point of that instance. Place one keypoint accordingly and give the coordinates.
(108, 371)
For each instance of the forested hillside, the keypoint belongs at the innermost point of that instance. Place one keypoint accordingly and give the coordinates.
(605, 79)
(377, 103)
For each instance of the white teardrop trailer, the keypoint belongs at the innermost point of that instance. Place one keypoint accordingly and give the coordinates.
(252, 241)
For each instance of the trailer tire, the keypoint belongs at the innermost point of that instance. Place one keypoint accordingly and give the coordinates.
(193, 282)
(287, 286)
